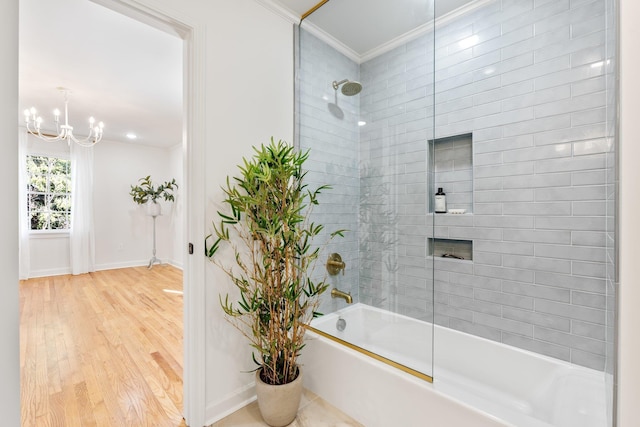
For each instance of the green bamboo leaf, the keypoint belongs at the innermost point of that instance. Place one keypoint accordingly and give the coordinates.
(226, 217)
(243, 305)
(268, 205)
(253, 356)
(339, 233)
(211, 251)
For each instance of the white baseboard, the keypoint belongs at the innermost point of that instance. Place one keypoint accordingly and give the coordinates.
(230, 404)
(99, 267)
(126, 264)
(175, 264)
(49, 272)
(142, 263)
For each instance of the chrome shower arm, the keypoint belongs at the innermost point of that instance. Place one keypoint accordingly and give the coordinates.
(337, 84)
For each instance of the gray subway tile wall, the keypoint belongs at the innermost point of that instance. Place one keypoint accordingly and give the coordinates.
(329, 120)
(537, 177)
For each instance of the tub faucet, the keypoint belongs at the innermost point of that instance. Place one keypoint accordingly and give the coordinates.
(337, 293)
(335, 264)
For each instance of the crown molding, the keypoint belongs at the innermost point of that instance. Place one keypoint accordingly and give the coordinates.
(332, 41)
(398, 41)
(280, 10)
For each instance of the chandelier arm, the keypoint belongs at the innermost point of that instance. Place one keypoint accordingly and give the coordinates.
(45, 137)
(89, 140)
(86, 144)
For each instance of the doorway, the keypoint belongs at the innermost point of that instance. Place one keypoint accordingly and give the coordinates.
(192, 204)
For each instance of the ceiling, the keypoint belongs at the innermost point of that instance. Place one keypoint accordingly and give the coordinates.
(365, 25)
(129, 75)
(122, 72)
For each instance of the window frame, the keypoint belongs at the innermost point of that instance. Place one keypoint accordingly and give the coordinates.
(47, 232)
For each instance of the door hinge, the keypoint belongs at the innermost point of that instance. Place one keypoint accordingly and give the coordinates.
(190, 248)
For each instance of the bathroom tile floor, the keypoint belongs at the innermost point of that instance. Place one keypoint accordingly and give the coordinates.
(313, 412)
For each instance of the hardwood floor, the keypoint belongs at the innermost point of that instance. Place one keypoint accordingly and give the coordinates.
(102, 349)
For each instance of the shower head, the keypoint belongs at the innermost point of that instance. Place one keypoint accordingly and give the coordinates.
(349, 88)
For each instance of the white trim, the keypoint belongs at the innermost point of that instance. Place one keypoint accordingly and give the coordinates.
(170, 21)
(99, 267)
(280, 10)
(229, 405)
(194, 133)
(9, 296)
(124, 264)
(49, 234)
(195, 313)
(398, 41)
(49, 272)
(175, 264)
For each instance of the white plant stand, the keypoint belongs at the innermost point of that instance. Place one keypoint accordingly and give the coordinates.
(153, 259)
(154, 210)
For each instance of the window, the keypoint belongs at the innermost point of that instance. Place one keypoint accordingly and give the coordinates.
(49, 193)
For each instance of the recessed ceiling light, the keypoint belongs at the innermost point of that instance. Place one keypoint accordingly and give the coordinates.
(361, 123)
(132, 135)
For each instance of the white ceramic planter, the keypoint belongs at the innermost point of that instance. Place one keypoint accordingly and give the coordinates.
(154, 209)
(279, 403)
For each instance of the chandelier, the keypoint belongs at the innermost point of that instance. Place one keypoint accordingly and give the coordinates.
(64, 131)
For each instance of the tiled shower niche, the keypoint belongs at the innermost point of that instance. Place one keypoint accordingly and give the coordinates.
(451, 249)
(452, 169)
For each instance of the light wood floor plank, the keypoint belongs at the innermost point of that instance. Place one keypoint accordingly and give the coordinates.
(102, 349)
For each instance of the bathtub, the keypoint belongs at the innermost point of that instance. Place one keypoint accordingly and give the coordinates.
(476, 382)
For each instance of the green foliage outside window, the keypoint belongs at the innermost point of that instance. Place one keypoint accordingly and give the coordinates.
(49, 193)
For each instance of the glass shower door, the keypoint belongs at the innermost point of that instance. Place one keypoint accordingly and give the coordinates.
(369, 141)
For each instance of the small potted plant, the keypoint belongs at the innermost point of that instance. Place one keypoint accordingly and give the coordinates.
(146, 192)
(267, 227)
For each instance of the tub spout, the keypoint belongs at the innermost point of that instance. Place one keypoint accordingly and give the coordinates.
(337, 293)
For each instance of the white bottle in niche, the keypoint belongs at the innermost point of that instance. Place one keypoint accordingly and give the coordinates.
(441, 201)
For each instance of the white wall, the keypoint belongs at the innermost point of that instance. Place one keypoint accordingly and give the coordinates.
(175, 237)
(123, 231)
(9, 306)
(251, 51)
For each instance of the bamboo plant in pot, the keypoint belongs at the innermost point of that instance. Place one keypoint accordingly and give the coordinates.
(267, 227)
